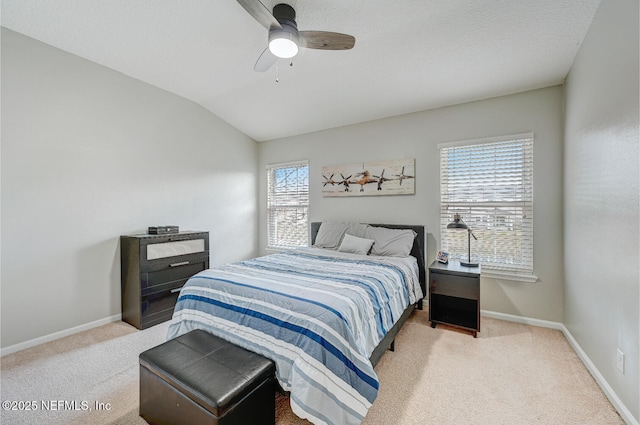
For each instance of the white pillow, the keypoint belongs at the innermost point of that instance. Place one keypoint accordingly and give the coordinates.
(391, 242)
(355, 244)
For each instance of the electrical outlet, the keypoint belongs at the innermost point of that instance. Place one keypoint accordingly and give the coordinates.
(620, 361)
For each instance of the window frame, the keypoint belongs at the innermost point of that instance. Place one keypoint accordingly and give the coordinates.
(483, 206)
(299, 204)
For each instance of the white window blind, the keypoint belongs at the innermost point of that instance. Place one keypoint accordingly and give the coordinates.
(489, 183)
(287, 205)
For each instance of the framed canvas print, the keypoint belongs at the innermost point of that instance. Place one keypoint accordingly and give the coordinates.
(374, 178)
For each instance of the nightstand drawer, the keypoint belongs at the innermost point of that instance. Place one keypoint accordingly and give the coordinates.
(454, 286)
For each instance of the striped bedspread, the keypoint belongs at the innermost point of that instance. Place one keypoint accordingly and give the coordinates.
(318, 314)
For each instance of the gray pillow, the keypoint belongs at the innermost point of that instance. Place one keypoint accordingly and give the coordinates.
(357, 229)
(355, 244)
(330, 235)
(391, 242)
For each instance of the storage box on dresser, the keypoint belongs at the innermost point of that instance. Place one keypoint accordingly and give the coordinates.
(154, 268)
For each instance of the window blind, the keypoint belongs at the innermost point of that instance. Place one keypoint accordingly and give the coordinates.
(489, 183)
(287, 205)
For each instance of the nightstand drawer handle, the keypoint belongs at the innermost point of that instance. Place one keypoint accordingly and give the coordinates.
(173, 291)
(182, 263)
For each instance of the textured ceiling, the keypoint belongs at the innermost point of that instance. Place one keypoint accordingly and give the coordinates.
(410, 55)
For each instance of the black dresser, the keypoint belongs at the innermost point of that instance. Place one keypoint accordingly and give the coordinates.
(154, 268)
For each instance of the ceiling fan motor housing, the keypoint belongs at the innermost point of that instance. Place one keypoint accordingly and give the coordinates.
(285, 14)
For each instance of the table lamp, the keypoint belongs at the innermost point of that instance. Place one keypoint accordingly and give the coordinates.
(457, 223)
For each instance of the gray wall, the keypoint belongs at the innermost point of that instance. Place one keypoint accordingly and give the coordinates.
(89, 154)
(416, 136)
(601, 186)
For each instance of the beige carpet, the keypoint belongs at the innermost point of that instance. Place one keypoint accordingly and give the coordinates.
(510, 374)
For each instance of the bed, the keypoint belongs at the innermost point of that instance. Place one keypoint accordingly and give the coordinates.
(326, 316)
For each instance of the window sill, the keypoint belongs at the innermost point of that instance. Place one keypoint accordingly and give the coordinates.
(276, 249)
(503, 275)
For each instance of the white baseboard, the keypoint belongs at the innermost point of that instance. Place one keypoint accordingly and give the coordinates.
(524, 320)
(606, 388)
(604, 385)
(57, 335)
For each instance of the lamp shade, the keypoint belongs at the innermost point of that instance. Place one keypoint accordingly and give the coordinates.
(457, 223)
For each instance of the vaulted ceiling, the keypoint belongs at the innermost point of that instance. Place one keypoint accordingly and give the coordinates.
(409, 55)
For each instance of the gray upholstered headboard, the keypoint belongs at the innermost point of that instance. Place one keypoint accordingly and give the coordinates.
(418, 250)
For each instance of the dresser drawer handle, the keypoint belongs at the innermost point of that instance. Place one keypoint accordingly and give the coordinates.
(173, 291)
(182, 263)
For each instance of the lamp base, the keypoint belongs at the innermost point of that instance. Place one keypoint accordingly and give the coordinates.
(465, 264)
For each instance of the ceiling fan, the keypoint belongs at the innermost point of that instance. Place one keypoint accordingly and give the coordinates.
(284, 37)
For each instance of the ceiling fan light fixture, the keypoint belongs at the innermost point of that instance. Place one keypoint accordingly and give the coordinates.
(283, 36)
(283, 43)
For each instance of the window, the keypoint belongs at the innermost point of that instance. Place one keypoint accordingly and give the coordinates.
(489, 183)
(287, 205)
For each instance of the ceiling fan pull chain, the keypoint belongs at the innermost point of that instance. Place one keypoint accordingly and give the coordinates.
(277, 72)
(291, 63)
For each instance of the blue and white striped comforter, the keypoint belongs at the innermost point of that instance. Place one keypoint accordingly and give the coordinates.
(318, 314)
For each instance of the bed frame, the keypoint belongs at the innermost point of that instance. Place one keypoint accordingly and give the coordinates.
(417, 251)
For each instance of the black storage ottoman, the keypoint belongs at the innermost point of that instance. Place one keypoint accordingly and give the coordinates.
(198, 378)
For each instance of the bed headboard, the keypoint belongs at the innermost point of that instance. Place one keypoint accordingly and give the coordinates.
(417, 250)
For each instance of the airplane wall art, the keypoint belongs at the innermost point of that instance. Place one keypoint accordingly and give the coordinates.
(394, 177)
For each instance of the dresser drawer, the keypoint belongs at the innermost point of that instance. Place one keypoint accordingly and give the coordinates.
(171, 276)
(173, 249)
(454, 286)
(174, 263)
(158, 307)
(162, 251)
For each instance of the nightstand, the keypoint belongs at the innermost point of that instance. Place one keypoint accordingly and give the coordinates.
(454, 296)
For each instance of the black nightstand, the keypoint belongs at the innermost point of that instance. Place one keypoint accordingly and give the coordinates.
(454, 296)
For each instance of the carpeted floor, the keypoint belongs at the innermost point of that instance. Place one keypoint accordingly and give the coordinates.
(510, 374)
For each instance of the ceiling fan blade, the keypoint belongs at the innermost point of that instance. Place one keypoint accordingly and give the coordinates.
(265, 61)
(325, 40)
(260, 13)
